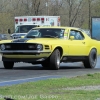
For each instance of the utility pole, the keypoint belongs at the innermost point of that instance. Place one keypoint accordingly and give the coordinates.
(47, 7)
(89, 26)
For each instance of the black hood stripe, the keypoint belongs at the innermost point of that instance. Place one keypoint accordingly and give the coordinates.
(22, 40)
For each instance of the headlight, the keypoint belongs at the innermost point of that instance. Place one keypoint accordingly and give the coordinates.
(2, 47)
(39, 47)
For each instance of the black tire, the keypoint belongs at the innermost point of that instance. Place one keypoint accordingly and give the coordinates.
(8, 64)
(53, 62)
(91, 60)
(45, 64)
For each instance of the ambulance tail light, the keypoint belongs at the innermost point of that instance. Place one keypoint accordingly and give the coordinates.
(25, 19)
(42, 20)
(38, 19)
(16, 21)
(21, 20)
(34, 19)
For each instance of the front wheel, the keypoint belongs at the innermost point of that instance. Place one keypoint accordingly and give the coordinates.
(8, 64)
(53, 62)
(91, 60)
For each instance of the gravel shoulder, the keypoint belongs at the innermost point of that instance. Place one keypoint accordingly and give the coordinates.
(87, 88)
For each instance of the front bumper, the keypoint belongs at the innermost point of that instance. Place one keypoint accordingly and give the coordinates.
(28, 60)
(23, 52)
(24, 55)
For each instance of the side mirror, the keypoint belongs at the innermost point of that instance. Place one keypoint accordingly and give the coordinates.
(71, 37)
(9, 31)
(22, 36)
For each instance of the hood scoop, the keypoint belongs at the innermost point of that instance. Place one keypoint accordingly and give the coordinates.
(20, 40)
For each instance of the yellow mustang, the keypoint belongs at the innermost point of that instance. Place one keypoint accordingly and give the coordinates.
(50, 46)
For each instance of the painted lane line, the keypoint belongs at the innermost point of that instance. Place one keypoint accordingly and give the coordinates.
(19, 81)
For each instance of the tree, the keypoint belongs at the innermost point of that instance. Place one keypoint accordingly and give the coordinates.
(74, 7)
(72, 12)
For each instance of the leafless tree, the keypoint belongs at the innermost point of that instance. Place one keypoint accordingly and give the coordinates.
(55, 7)
(72, 12)
(74, 7)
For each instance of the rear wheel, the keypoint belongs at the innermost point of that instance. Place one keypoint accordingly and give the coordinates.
(53, 62)
(8, 64)
(91, 60)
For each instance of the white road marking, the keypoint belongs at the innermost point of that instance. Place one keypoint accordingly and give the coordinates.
(0, 58)
(32, 78)
(19, 81)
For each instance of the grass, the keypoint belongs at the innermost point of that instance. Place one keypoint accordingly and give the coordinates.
(54, 89)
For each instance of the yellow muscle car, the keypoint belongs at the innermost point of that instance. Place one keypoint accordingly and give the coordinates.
(50, 46)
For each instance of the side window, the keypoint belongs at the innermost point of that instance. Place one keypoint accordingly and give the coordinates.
(72, 33)
(77, 35)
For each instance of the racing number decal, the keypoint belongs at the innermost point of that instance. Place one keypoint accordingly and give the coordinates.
(66, 34)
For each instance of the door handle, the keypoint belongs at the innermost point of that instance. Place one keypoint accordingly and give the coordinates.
(83, 42)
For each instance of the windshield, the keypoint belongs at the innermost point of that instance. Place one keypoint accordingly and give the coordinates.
(46, 33)
(24, 28)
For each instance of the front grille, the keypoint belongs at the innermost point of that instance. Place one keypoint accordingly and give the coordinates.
(47, 47)
(20, 46)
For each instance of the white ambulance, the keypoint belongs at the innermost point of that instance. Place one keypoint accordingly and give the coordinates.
(25, 23)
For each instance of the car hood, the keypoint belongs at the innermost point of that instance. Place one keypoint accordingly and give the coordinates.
(5, 41)
(34, 40)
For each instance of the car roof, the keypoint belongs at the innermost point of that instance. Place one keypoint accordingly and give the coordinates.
(57, 27)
